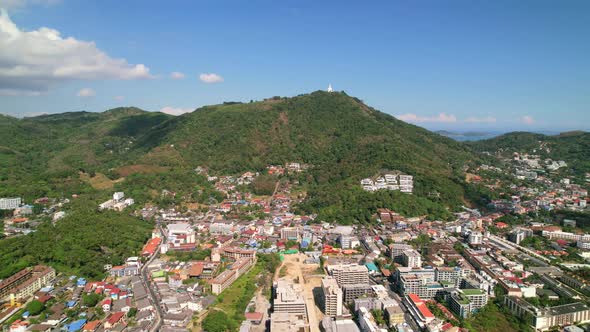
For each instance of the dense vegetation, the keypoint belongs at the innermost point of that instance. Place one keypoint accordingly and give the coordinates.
(81, 243)
(343, 139)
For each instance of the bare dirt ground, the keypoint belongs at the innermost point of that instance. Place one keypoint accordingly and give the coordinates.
(306, 276)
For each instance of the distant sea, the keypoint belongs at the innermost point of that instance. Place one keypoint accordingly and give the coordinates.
(468, 136)
(477, 135)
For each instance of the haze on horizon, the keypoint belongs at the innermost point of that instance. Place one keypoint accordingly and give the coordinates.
(460, 65)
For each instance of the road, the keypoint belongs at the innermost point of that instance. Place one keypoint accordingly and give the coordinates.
(157, 323)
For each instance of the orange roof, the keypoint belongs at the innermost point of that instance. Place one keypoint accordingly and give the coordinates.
(91, 326)
(196, 269)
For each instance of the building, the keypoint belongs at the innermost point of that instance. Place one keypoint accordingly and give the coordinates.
(349, 274)
(412, 259)
(543, 319)
(288, 299)
(396, 251)
(339, 325)
(290, 233)
(26, 282)
(333, 297)
(287, 322)
(227, 277)
(464, 302)
(367, 322)
(181, 233)
(354, 291)
(10, 203)
(475, 238)
(237, 253)
(420, 285)
(452, 275)
(418, 310)
(348, 242)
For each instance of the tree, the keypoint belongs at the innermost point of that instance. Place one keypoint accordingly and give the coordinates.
(90, 300)
(217, 321)
(132, 312)
(35, 307)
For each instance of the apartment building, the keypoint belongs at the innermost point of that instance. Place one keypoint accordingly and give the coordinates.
(26, 282)
(543, 319)
(10, 203)
(333, 297)
(412, 259)
(288, 298)
(349, 274)
(396, 251)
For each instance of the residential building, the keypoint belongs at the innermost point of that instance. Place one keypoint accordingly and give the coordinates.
(333, 297)
(288, 322)
(367, 322)
(10, 203)
(349, 274)
(412, 259)
(543, 319)
(26, 282)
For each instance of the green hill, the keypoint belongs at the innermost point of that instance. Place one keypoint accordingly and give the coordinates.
(342, 138)
(572, 147)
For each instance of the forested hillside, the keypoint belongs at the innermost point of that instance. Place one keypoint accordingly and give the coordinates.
(342, 139)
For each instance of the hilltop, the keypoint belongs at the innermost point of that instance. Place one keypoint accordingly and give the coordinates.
(342, 138)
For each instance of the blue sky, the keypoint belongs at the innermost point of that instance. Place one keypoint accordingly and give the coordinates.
(461, 65)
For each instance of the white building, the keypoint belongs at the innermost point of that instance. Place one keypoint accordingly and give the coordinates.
(9, 203)
(475, 238)
(412, 259)
(332, 297)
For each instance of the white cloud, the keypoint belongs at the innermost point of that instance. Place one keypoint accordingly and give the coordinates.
(15, 4)
(210, 78)
(33, 61)
(442, 117)
(175, 75)
(487, 119)
(86, 92)
(527, 119)
(175, 111)
(119, 98)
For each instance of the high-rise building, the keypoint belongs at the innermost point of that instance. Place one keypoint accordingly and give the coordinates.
(349, 274)
(332, 297)
(412, 259)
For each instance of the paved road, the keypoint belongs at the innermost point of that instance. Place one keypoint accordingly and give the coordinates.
(157, 323)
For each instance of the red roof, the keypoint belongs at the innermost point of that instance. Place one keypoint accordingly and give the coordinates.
(254, 316)
(151, 246)
(114, 318)
(421, 306)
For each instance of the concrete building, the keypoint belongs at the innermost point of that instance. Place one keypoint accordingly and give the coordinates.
(543, 319)
(288, 298)
(396, 251)
(367, 322)
(412, 259)
(333, 297)
(349, 274)
(452, 275)
(290, 233)
(26, 282)
(339, 325)
(181, 233)
(475, 238)
(10, 203)
(287, 322)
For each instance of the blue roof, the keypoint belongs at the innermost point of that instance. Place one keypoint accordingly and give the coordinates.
(371, 267)
(70, 304)
(77, 325)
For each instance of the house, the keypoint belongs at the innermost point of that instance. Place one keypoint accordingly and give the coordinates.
(106, 305)
(91, 326)
(113, 320)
